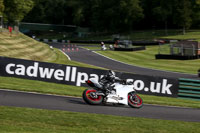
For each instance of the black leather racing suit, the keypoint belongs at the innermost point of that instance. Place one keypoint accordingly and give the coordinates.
(107, 80)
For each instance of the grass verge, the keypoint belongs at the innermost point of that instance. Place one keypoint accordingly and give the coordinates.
(146, 58)
(26, 120)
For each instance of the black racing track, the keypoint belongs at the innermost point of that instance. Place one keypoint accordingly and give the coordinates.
(91, 57)
(22, 99)
(40, 101)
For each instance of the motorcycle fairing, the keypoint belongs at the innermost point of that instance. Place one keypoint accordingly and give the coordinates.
(95, 83)
(121, 95)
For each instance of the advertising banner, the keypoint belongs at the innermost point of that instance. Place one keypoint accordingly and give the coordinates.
(73, 75)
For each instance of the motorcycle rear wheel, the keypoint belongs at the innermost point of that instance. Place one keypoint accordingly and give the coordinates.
(134, 100)
(89, 97)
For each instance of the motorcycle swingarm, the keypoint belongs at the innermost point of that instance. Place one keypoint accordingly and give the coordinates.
(100, 94)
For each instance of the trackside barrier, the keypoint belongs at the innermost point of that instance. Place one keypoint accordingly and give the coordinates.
(189, 89)
(76, 76)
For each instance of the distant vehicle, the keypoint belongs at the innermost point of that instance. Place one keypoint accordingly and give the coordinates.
(124, 44)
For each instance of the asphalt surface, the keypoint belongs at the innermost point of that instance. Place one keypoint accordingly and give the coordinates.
(93, 58)
(40, 101)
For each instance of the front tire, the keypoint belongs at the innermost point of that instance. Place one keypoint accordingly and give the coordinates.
(134, 100)
(90, 98)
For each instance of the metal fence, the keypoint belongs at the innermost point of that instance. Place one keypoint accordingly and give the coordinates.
(189, 89)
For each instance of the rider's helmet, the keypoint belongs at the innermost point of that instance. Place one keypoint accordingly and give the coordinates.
(111, 73)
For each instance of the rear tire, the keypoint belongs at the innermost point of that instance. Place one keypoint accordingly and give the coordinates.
(87, 97)
(134, 100)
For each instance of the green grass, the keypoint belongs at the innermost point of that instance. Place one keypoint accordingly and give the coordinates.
(24, 47)
(191, 34)
(146, 58)
(21, 46)
(26, 120)
(39, 86)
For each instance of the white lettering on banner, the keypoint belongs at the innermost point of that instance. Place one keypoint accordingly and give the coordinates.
(138, 85)
(8, 68)
(20, 70)
(71, 74)
(73, 77)
(32, 70)
(59, 74)
(67, 74)
(165, 87)
(46, 72)
(82, 77)
(155, 89)
(94, 76)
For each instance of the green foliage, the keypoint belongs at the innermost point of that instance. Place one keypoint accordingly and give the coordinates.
(183, 13)
(106, 15)
(1, 7)
(101, 15)
(163, 11)
(116, 15)
(15, 10)
(196, 13)
(198, 2)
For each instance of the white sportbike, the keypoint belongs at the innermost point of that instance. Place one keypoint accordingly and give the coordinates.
(121, 93)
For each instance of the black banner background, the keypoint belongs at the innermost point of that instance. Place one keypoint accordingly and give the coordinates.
(73, 75)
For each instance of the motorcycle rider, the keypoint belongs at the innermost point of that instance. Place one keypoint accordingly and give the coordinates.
(107, 80)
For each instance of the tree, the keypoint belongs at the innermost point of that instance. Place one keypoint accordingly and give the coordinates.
(1, 7)
(131, 13)
(196, 13)
(77, 8)
(163, 12)
(198, 2)
(37, 14)
(115, 15)
(109, 15)
(15, 10)
(54, 12)
(182, 14)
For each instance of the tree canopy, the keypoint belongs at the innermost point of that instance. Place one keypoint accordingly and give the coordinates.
(15, 10)
(1, 7)
(106, 15)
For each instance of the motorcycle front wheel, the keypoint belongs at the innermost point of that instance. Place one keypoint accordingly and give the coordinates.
(134, 100)
(90, 97)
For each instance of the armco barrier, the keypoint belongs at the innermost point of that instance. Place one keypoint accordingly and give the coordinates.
(135, 43)
(189, 89)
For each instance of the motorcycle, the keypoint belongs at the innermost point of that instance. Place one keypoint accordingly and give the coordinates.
(121, 93)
